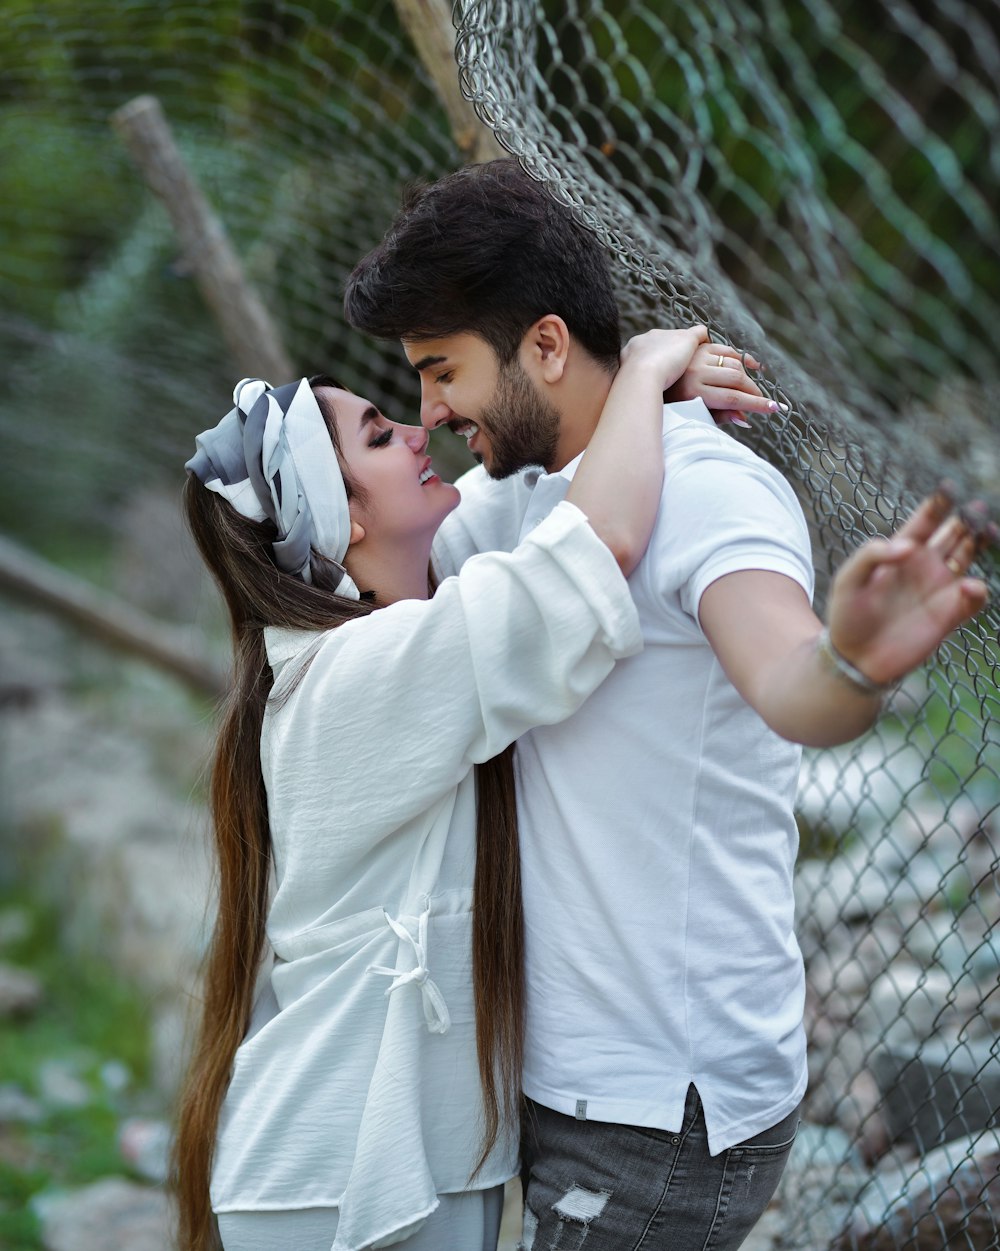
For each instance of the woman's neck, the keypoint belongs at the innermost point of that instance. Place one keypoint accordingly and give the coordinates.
(393, 573)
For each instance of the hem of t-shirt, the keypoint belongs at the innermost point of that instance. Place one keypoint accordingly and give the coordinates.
(625, 1112)
(568, 535)
(744, 563)
(739, 1131)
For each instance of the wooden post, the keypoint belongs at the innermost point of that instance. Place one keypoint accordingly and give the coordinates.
(429, 25)
(251, 336)
(106, 618)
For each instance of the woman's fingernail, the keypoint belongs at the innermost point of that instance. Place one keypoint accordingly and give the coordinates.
(741, 422)
(775, 407)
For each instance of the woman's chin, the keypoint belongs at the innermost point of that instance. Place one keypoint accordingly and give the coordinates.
(453, 495)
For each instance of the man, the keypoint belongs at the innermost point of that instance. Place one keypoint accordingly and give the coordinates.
(664, 1056)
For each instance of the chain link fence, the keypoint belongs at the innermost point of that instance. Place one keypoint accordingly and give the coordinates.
(817, 182)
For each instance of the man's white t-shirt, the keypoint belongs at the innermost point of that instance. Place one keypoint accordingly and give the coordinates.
(657, 834)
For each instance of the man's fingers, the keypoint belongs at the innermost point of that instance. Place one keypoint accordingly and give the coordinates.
(965, 598)
(960, 555)
(976, 588)
(859, 567)
(989, 537)
(956, 535)
(976, 593)
(930, 513)
(983, 529)
(949, 535)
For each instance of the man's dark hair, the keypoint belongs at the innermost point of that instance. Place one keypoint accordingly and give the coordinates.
(486, 250)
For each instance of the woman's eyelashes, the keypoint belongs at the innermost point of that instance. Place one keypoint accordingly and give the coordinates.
(382, 438)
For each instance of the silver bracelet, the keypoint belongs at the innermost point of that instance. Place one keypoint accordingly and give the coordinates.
(843, 669)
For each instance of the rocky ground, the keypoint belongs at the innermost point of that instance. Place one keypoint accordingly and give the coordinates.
(102, 901)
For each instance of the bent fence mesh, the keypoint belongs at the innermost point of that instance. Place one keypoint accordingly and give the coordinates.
(818, 183)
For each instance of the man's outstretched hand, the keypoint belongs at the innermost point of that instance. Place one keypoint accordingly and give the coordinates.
(895, 600)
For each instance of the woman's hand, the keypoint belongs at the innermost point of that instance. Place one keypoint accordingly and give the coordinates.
(717, 375)
(666, 354)
(896, 600)
(618, 482)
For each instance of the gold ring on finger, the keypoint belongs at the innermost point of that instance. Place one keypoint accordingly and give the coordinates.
(722, 361)
(953, 564)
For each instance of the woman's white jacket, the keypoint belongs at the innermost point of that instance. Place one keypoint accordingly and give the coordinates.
(357, 1086)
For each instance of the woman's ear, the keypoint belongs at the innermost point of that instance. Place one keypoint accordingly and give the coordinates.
(357, 534)
(545, 348)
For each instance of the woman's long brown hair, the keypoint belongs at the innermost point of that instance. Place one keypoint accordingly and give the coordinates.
(498, 949)
(238, 553)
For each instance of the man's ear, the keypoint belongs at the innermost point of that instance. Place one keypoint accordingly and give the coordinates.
(545, 348)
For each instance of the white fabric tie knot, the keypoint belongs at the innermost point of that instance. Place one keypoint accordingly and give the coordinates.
(435, 1009)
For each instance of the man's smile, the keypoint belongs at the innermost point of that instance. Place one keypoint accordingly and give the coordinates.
(461, 425)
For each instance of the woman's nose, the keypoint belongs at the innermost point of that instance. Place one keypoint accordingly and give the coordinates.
(416, 437)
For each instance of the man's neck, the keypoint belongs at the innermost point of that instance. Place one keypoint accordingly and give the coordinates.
(580, 399)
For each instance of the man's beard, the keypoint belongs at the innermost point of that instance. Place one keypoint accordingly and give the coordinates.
(521, 425)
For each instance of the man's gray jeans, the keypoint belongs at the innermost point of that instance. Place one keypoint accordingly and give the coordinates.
(591, 1186)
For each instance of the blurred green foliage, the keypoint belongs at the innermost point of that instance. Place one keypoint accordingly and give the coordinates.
(844, 151)
(868, 195)
(113, 361)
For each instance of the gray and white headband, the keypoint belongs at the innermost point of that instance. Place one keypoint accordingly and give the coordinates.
(273, 459)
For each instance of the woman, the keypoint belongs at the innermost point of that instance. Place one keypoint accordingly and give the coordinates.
(336, 1099)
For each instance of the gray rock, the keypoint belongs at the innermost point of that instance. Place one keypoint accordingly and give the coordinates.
(860, 786)
(821, 1182)
(848, 889)
(765, 1234)
(17, 1107)
(171, 1037)
(959, 1182)
(34, 657)
(145, 1146)
(939, 1091)
(60, 1086)
(21, 992)
(907, 996)
(112, 1213)
(115, 1076)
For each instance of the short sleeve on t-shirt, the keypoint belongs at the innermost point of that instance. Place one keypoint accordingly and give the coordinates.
(727, 513)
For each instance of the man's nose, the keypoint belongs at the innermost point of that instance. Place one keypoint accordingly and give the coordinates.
(434, 412)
